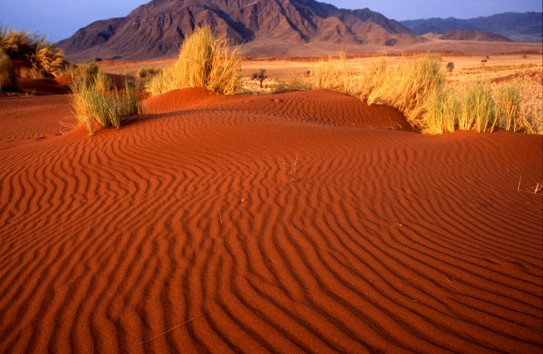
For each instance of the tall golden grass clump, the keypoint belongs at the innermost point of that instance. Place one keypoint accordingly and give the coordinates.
(373, 77)
(7, 74)
(95, 101)
(408, 87)
(441, 111)
(44, 58)
(416, 87)
(508, 110)
(477, 109)
(332, 74)
(204, 61)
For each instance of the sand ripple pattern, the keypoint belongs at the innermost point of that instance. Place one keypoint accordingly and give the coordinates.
(182, 233)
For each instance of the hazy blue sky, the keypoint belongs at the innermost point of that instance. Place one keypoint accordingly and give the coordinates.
(59, 19)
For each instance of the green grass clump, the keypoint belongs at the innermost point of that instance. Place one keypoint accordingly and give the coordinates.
(8, 81)
(204, 61)
(95, 101)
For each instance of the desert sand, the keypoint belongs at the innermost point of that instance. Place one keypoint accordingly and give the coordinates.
(294, 222)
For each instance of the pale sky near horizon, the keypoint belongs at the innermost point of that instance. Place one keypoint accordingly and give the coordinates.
(59, 19)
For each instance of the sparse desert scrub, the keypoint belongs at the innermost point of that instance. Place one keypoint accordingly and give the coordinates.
(95, 101)
(7, 74)
(204, 61)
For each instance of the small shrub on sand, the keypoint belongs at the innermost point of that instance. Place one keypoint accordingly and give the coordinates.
(95, 102)
(260, 76)
(7, 74)
(204, 61)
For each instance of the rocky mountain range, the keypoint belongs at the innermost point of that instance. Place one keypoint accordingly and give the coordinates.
(516, 26)
(274, 28)
(265, 27)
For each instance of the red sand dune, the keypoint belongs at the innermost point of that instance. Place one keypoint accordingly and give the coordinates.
(180, 232)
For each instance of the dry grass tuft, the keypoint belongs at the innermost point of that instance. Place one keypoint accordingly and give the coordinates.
(537, 189)
(478, 109)
(417, 87)
(45, 58)
(204, 61)
(408, 87)
(332, 74)
(291, 170)
(441, 110)
(7, 74)
(95, 101)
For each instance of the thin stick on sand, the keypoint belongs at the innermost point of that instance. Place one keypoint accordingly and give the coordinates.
(172, 329)
(519, 180)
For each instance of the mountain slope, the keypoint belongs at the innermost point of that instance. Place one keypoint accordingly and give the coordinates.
(267, 27)
(473, 35)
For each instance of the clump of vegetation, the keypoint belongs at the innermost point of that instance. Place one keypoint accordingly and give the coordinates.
(478, 110)
(204, 61)
(148, 73)
(408, 87)
(332, 74)
(260, 76)
(441, 110)
(44, 58)
(7, 74)
(291, 170)
(95, 101)
(508, 110)
(417, 87)
(373, 77)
